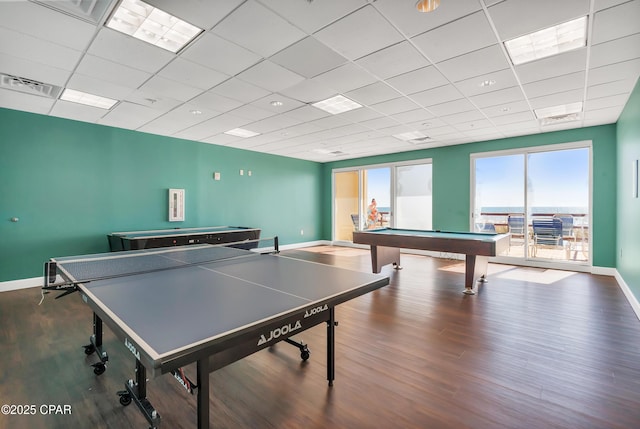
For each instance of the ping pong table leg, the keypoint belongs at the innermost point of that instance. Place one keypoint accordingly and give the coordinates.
(203, 393)
(331, 346)
(95, 345)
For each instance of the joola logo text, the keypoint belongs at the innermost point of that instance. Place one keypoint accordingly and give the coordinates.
(279, 332)
(316, 310)
(132, 348)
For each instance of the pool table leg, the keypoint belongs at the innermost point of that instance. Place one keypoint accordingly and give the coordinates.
(475, 270)
(381, 256)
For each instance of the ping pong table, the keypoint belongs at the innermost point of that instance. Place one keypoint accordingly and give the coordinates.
(205, 304)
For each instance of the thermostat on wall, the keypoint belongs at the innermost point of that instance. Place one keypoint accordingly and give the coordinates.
(176, 205)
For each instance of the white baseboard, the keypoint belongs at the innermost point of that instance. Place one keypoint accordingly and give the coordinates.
(21, 284)
(635, 305)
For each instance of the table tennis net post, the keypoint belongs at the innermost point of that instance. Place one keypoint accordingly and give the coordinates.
(66, 273)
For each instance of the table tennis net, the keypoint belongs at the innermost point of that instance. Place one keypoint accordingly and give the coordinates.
(83, 269)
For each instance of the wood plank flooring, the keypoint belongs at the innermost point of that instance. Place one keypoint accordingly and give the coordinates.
(533, 349)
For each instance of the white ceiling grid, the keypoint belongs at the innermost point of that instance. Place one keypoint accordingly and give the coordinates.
(410, 71)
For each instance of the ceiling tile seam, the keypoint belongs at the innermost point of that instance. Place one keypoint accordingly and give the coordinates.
(590, 21)
(98, 26)
(506, 55)
(434, 64)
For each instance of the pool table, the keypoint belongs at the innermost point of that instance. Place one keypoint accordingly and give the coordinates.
(478, 247)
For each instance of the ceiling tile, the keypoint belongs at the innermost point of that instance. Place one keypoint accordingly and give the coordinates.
(605, 102)
(359, 115)
(252, 112)
(177, 120)
(32, 70)
(616, 22)
(100, 68)
(557, 65)
(237, 89)
(416, 115)
(437, 95)
(309, 91)
(459, 37)
(25, 102)
(95, 86)
(192, 74)
(308, 58)
(314, 15)
(360, 33)
(476, 85)
(170, 88)
(506, 109)
(270, 103)
(129, 115)
(202, 14)
(77, 112)
(345, 78)
(618, 71)
(229, 58)
(23, 46)
(533, 15)
(452, 107)
(216, 125)
(403, 14)
(274, 123)
(475, 63)
(212, 101)
(372, 94)
(46, 24)
(512, 118)
(394, 60)
(270, 76)
(499, 97)
(615, 51)
(557, 99)
(123, 49)
(611, 88)
(258, 29)
(418, 80)
(397, 105)
(555, 84)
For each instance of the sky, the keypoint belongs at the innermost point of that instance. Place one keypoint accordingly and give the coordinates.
(554, 178)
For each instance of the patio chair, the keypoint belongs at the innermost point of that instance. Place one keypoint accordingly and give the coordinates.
(568, 233)
(517, 228)
(547, 233)
(355, 218)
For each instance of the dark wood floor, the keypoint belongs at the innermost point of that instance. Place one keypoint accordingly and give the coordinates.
(533, 349)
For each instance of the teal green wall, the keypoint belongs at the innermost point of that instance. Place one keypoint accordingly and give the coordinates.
(451, 181)
(70, 183)
(628, 247)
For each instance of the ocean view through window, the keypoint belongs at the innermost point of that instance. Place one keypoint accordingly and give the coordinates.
(536, 185)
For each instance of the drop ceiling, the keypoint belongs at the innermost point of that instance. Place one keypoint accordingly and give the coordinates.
(444, 74)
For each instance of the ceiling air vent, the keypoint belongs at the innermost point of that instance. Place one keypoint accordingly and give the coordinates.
(90, 11)
(29, 86)
(420, 140)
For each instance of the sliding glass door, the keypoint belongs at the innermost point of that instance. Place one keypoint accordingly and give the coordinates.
(540, 197)
(389, 195)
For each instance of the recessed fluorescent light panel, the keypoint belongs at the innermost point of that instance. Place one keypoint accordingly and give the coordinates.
(87, 99)
(149, 24)
(240, 132)
(549, 41)
(337, 104)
